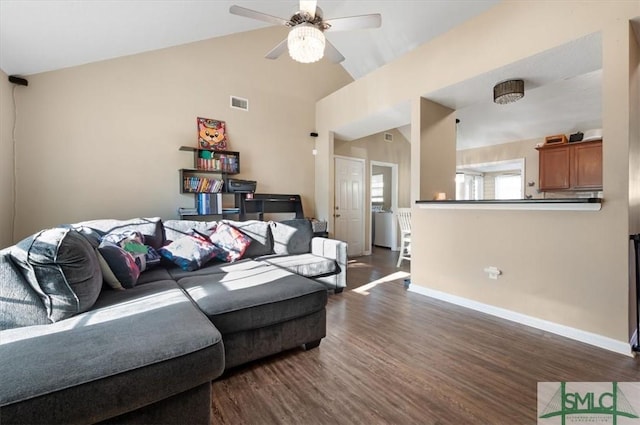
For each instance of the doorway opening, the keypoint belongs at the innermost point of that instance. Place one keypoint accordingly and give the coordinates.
(383, 231)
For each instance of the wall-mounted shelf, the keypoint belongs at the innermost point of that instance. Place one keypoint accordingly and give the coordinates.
(227, 162)
(206, 182)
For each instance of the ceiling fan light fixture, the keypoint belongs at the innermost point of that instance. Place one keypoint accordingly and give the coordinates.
(508, 91)
(306, 43)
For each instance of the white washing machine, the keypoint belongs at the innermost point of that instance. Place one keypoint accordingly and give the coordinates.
(383, 229)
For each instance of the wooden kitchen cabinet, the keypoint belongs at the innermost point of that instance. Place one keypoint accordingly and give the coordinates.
(586, 169)
(571, 166)
(555, 162)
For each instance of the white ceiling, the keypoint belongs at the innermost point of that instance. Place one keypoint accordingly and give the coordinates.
(45, 35)
(563, 94)
(562, 86)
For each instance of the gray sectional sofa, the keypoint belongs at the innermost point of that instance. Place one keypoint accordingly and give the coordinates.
(74, 351)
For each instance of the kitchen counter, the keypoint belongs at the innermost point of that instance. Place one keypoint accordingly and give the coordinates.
(561, 204)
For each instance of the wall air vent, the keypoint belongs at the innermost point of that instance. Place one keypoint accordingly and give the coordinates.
(388, 137)
(239, 103)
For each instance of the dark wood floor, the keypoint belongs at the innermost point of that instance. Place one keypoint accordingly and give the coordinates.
(396, 357)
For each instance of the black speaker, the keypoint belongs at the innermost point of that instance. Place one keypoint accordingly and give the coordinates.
(18, 80)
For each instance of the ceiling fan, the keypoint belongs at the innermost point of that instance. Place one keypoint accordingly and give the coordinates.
(306, 41)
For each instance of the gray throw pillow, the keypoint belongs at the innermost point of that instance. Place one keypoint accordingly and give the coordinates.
(292, 236)
(62, 267)
(20, 305)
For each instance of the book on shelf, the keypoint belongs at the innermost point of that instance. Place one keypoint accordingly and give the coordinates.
(197, 184)
(209, 203)
(225, 163)
(216, 203)
(203, 203)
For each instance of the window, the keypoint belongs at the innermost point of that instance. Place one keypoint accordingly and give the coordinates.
(508, 186)
(377, 188)
(469, 187)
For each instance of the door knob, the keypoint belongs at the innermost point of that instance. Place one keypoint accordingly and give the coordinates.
(336, 215)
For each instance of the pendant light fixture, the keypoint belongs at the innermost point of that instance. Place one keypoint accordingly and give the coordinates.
(508, 91)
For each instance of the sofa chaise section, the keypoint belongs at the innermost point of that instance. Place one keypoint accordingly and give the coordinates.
(260, 311)
(132, 349)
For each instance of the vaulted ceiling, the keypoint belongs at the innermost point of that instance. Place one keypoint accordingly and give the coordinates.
(44, 35)
(562, 87)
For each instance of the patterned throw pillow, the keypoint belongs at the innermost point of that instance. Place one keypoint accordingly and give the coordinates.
(231, 242)
(133, 242)
(107, 274)
(122, 264)
(189, 252)
(152, 257)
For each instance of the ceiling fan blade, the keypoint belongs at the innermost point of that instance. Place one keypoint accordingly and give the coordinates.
(355, 22)
(248, 13)
(331, 53)
(278, 50)
(309, 6)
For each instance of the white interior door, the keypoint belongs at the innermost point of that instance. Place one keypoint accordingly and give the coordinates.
(349, 204)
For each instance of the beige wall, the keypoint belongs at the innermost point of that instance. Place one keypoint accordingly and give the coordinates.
(570, 268)
(6, 159)
(374, 148)
(101, 140)
(506, 151)
(433, 139)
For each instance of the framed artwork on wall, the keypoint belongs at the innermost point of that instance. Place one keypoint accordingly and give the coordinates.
(211, 134)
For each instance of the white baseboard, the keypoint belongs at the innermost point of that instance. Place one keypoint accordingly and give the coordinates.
(562, 330)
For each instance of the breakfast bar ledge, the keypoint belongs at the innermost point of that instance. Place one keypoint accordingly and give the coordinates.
(559, 204)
